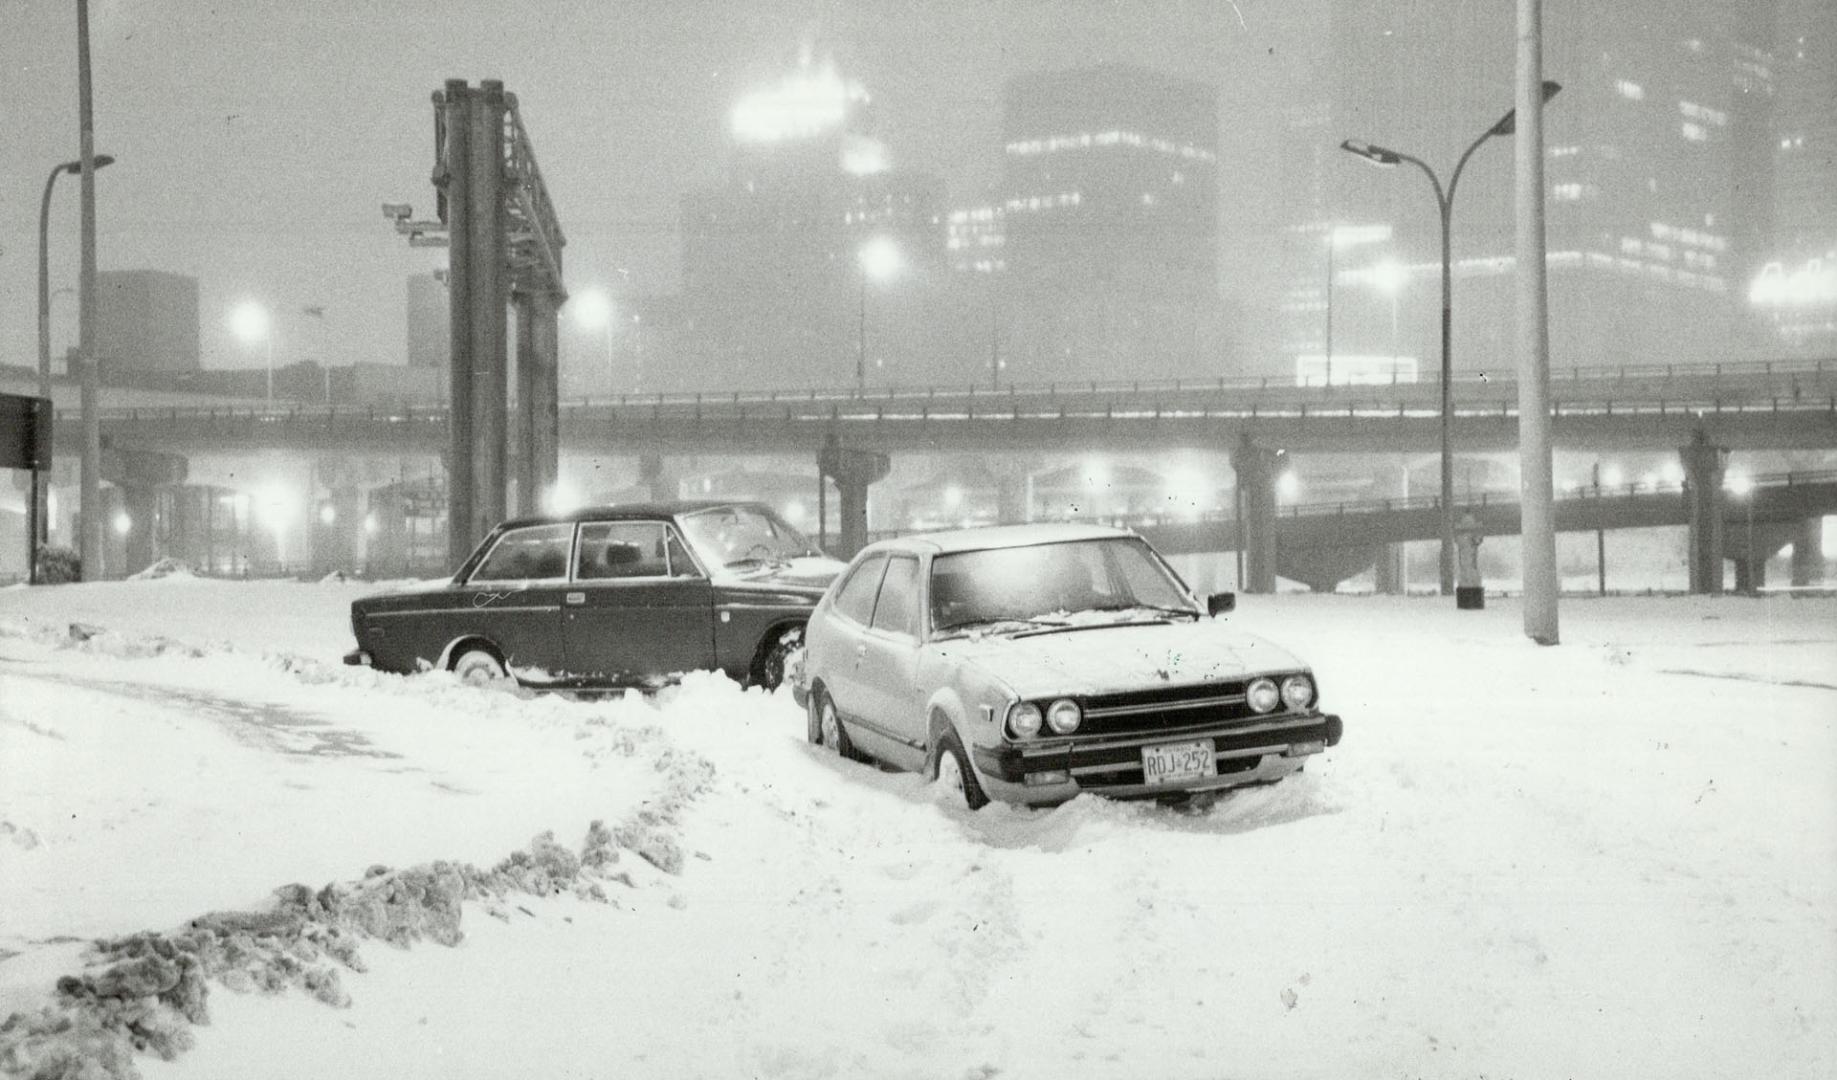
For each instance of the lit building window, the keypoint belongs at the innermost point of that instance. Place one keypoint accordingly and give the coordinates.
(1694, 132)
(1704, 113)
(1566, 192)
(1630, 90)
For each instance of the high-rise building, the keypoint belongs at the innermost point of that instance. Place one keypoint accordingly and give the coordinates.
(146, 320)
(430, 333)
(1794, 293)
(1106, 231)
(814, 259)
(1639, 174)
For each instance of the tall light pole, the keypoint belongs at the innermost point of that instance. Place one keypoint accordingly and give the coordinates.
(91, 480)
(1444, 202)
(878, 260)
(72, 168)
(1536, 484)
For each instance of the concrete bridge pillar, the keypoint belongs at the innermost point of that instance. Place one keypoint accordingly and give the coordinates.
(1390, 574)
(1703, 466)
(337, 531)
(139, 476)
(387, 553)
(1808, 552)
(1257, 468)
(853, 472)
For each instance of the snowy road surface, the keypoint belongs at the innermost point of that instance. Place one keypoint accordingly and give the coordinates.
(1614, 858)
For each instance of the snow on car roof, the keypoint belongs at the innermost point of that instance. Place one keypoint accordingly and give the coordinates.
(999, 536)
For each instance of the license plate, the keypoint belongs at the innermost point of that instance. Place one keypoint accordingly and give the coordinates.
(1172, 763)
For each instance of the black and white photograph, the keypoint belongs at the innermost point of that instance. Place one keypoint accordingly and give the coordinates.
(918, 539)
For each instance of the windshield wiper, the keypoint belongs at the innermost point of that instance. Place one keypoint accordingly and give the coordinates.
(1019, 622)
(1161, 609)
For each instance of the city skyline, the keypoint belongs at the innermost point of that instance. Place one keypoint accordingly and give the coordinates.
(623, 220)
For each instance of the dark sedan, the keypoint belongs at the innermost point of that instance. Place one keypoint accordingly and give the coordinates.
(608, 597)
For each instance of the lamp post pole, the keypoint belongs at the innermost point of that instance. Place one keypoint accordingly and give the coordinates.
(861, 338)
(1444, 204)
(73, 168)
(91, 472)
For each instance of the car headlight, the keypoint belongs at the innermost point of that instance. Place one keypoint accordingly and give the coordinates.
(1262, 695)
(1064, 716)
(1298, 691)
(1024, 719)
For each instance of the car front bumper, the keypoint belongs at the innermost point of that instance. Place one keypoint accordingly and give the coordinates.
(1244, 754)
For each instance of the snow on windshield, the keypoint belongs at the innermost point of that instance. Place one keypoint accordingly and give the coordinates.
(738, 536)
(1046, 580)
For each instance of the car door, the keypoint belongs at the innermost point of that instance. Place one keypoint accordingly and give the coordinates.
(638, 608)
(840, 645)
(893, 711)
(513, 598)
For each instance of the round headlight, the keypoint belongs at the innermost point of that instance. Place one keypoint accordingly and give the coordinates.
(1024, 719)
(1298, 691)
(1064, 716)
(1262, 695)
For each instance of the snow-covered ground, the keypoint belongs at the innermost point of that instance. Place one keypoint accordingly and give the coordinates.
(1614, 858)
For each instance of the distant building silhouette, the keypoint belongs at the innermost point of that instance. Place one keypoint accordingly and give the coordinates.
(774, 290)
(1644, 223)
(1106, 227)
(147, 320)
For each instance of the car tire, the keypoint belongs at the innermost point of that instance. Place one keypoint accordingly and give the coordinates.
(826, 728)
(479, 666)
(951, 765)
(770, 672)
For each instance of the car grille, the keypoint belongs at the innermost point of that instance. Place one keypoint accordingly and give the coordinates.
(1144, 711)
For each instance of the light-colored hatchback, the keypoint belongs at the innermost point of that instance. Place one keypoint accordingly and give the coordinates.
(1029, 663)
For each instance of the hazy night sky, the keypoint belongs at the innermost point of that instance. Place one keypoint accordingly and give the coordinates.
(257, 139)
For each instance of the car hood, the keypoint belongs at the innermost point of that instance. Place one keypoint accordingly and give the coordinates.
(1119, 658)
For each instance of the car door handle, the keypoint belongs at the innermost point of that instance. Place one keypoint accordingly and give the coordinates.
(576, 598)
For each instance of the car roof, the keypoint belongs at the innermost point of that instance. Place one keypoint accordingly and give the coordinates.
(644, 511)
(998, 536)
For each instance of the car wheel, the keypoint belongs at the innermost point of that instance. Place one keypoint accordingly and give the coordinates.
(771, 671)
(826, 727)
(951, 768)
(479, 667)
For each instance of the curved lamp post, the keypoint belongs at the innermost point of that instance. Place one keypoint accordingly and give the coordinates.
(1444, 201)
(71, 168)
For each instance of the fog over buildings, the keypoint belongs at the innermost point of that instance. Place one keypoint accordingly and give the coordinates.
(945, 192)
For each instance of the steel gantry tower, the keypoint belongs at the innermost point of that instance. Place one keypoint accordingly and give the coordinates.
(504, 246)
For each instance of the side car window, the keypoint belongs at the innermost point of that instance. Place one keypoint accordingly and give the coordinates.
(856, 600)
(897, 610)
(533, 553)
(622, 549)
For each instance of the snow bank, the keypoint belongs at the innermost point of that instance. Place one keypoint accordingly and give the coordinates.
(1613, 858)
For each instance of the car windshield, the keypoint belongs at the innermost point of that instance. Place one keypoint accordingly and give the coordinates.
(741, 537)
(1083, 582)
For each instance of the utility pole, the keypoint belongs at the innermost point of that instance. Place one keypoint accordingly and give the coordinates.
(1537, 492)
(91, 485)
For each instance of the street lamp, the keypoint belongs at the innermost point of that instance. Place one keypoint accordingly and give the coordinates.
(71, 168)
(880, 260)
(1444, 201)
(250, 323)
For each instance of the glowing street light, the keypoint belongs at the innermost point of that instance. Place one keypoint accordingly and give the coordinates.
(879, 259)
(249, 321)
(1444, 201)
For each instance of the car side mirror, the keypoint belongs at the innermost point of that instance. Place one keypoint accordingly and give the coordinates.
(1221, 603)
